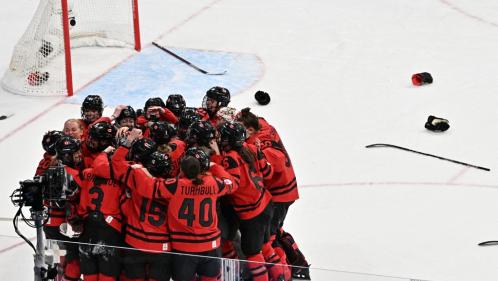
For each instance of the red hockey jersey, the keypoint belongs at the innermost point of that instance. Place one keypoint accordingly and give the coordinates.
(283, 184)
(145, 216)
(251, 198)
(192, 217)
(100, 193)
(44, 164)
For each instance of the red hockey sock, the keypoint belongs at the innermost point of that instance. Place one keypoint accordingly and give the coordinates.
(228, 249)
(276, 266)
(257, 267)
(281, 253)
(72, 270)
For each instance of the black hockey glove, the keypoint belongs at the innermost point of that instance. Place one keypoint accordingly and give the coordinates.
(437, 124)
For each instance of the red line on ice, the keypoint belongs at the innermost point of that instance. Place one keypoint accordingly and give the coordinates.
(25, 124)
(15, 245)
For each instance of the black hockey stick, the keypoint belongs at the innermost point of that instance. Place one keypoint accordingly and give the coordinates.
(186, 61)
(488, 243)
(426, 154)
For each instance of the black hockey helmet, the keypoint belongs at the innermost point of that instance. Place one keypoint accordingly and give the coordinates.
(49, 141)
(125, 113)
(92, 102)
(161, 132)
(200, 133)
(232, 135)
(102, 131)
(100, 136)
(219, 94)
(65, 149)
(141, 149)
(188, 116)
(176, 104)
(201, 155)
(140, 112)
(156, 101)
(158, 164)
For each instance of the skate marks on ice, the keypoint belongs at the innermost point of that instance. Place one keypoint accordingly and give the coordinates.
(154, 73)
(463, 8)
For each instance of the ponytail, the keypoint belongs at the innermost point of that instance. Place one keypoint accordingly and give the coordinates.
(248, 156)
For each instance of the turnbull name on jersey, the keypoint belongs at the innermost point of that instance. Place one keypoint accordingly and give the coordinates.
(198, 190)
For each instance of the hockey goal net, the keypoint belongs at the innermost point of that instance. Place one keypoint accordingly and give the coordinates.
(41, 62)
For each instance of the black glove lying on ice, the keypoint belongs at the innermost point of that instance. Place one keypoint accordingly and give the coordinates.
(437, 124)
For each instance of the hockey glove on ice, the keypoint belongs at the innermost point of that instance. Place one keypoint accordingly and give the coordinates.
(437, 124)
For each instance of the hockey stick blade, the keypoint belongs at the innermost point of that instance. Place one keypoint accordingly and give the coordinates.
(5, 116)
(426, 154)
(186, 61)
(488, 243)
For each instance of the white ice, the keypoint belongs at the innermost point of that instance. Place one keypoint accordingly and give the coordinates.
(339, 75)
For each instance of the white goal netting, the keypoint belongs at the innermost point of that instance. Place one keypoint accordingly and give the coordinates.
(41, 65)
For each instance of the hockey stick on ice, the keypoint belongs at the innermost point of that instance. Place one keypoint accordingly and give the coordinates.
(488, 243)
(186, 61)
(426, 154)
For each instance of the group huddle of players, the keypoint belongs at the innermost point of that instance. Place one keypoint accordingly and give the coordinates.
(194, 183)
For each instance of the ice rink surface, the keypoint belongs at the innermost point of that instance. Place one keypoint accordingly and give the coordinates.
(339, 75)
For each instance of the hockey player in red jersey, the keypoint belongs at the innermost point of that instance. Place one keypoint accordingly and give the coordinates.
(192, 219)
(145, 217)
(101, 136)
(215, 99)
(200, 133)
(282, 186)
(99, 208)
(126, 118)
(91, 112)
(92, 109)
(176, 104)
(57, 214)
(68, 153)
(73, 128)
(251, 202)
(155, 110)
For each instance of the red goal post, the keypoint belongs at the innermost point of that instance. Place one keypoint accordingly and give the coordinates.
(41, 62)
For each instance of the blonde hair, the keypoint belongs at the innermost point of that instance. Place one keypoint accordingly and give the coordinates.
(164, 148)
(73, 120)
